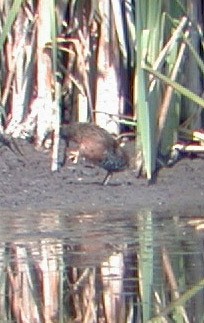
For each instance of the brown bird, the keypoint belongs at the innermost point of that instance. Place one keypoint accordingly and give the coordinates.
(96, 145)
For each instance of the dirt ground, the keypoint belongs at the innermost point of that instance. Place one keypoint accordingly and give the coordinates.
(28, 183)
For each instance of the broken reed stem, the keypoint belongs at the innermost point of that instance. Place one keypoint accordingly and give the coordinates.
(172, 281)
(169, 92)
(163, 53)
(89, 295)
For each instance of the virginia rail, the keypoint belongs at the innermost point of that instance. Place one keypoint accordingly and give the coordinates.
(96, 145)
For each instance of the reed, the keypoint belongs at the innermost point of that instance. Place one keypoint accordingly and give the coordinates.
(111, 62)
(164, 93)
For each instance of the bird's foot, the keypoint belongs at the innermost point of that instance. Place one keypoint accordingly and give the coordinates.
(74, 156)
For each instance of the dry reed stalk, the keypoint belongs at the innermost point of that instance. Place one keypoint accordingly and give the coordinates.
(112, 280)
(164, 108)
(89, 299)
(172, 281)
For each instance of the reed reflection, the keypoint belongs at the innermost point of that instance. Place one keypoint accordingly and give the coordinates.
(41, 283)
(135, 268)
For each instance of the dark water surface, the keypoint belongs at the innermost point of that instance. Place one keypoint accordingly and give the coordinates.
(112, 266)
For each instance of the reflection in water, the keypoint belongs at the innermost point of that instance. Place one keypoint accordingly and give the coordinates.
(43, 286)
(85, 268)
(61, 268)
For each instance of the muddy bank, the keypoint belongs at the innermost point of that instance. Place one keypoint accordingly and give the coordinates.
(27, 183)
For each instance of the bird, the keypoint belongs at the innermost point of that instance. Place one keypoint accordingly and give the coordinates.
(97, 145)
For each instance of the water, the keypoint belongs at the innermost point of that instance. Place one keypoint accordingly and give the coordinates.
(104, 267)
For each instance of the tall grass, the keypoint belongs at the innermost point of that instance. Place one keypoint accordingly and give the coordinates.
(165, 38)
(111, 62)
(148, 33)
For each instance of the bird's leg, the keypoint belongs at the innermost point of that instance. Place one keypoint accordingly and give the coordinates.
(107, 178)
(64, 151)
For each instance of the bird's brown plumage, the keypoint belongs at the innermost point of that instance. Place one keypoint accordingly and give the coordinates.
(97, 145)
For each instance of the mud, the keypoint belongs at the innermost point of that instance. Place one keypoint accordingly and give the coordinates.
(28, 183)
